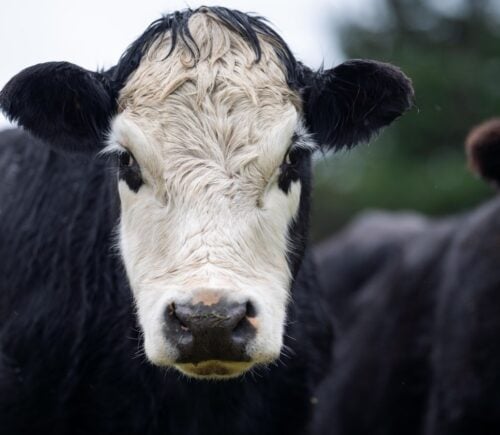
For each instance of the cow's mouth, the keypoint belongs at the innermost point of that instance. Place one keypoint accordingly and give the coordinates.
(214, 369)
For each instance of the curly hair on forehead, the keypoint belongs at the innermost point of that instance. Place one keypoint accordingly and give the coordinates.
(249, 27)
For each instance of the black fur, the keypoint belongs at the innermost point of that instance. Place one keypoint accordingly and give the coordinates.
(61, 103)
(348, 104)
(70, 348)
(298, 231)
(465, 394)
(416, 305)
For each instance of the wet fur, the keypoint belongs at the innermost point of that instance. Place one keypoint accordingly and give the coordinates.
(71, 351)
(70, 348)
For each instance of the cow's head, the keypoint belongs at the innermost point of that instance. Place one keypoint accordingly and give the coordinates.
(212, 122)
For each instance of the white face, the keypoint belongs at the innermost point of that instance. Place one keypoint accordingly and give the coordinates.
(209, 221)
(193, 228)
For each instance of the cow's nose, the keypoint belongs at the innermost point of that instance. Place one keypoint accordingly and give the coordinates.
(219, 331)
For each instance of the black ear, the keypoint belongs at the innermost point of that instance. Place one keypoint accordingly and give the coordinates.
(61, 103)
(348, 104)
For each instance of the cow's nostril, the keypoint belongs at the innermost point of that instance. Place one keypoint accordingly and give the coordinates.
(175, 319)
(245, 328)
(251, 311)
(171, 310)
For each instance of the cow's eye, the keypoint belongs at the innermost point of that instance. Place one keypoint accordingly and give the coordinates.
(129, 171)
(127, 160)
(291, 158)
(290, 167)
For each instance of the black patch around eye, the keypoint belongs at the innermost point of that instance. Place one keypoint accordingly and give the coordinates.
(130, 172)
(291, 167)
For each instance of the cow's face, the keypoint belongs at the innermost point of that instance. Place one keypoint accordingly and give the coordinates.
(214, 145)
(209, 185)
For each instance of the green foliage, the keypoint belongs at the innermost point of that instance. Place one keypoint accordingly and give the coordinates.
(418, 163)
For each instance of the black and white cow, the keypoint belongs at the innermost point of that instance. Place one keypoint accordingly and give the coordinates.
(201, 231)
(417, 309)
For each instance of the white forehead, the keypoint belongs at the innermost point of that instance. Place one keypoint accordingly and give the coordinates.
(220, 96)
(221, 65)
(267, 143)
(221, 110)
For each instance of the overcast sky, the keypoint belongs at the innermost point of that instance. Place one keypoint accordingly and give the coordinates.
(94, 33)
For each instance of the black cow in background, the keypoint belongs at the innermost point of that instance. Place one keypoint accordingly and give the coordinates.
(154, 226)
(417, 308)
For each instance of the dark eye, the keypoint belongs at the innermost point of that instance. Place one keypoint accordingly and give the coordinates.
(129, 171)
(290, 168)
(126, 159)
(291, 158)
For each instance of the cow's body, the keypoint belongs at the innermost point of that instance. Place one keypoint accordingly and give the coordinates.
(159, 221)
(71, 358)
(416, 303)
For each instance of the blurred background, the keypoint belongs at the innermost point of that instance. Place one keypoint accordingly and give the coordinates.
(450, 48)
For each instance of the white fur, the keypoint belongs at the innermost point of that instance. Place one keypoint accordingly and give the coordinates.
(209, 139)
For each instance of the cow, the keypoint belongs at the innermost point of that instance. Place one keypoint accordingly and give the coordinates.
(416, 302)
(155, 276)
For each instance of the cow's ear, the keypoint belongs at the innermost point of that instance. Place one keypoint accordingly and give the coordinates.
(348, 104)
(483, 150)
(61, 103)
